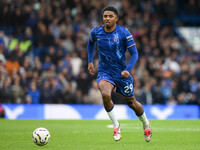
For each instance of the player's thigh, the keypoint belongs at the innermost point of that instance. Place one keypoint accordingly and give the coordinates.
(124, 86)
(105, 83)
(105, 87)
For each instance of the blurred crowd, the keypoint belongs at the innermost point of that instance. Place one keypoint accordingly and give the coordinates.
(43, 51)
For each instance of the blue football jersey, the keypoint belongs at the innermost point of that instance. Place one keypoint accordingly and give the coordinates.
(112, 48)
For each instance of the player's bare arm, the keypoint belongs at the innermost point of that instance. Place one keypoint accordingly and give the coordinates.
(91, 68)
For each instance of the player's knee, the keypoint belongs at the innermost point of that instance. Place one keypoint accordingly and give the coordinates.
(106, 96)
(131, 104)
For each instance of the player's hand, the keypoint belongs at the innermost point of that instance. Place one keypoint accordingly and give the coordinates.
(91, 68)
(125, 74)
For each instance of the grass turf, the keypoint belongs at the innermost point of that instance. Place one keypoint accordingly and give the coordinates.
(96, 135)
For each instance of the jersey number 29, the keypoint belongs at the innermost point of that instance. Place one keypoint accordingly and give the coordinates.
(127, 88)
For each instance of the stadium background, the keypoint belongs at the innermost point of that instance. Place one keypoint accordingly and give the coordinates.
(43, 53)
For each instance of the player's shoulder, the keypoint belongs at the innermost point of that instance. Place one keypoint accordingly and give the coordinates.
(121, 28)
(97, 29)
(123, 31)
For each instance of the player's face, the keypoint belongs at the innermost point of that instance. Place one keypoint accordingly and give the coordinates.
(109, 19)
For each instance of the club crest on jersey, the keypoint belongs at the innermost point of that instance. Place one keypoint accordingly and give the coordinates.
(115, 39)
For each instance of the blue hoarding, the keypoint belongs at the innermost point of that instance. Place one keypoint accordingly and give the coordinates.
(62, 111)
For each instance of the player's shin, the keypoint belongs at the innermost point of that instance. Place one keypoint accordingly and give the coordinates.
(117, 128)
(146, 126)
(137, 107)
(144, 120)
(113, 117)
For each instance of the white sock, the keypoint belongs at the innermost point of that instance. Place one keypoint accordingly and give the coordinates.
(144, 120)
(113, 117)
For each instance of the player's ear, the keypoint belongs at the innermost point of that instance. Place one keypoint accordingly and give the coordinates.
(117, 18)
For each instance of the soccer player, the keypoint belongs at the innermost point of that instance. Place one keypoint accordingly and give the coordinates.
(112, 41)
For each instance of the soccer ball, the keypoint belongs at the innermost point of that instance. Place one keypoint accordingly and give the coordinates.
(41, 136)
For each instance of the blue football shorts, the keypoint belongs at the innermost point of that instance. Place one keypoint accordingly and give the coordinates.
(124, 86)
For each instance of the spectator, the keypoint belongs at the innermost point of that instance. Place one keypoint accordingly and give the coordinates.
(47, 42)
(25, 45)
(47, 63)
(56, 91)
(12, 64)
(3, 74)
(24, 81)
(171, 9)
(3, 41)
(191, 7)
(76, 63)
(18, 92)
(171, 101)
(34, 93)
(6, 95)
(46, 93)
(52, 55)
(69, 97)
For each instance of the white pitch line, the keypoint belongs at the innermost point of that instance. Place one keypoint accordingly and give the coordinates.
(128, 126)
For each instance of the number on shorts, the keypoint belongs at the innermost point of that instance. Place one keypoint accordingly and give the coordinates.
(127, 88)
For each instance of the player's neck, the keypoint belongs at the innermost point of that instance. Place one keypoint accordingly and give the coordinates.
(111, 29)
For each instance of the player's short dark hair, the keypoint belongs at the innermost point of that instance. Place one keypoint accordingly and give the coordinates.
(111, 8)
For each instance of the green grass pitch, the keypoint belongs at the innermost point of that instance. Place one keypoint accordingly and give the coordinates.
(96, 135)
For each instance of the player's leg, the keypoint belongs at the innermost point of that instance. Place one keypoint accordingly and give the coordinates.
(126, 89)
(137, 107)
(106, 88)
